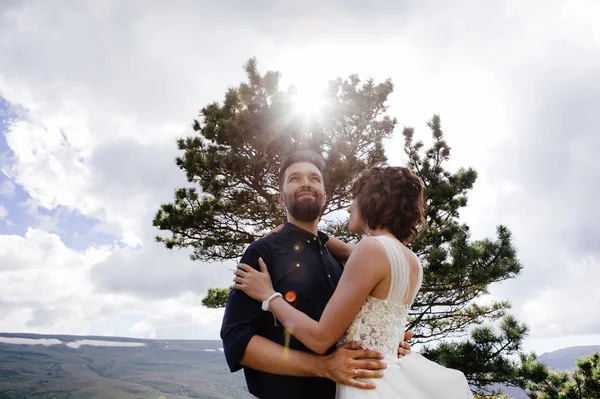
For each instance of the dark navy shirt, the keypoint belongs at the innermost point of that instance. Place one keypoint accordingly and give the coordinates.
(304, 271)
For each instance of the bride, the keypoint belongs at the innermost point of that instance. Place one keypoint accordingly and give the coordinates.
(379, 284)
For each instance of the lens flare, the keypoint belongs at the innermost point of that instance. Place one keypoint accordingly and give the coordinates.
(286, 346)
(298, 247)
(309, 101)
(290, 296)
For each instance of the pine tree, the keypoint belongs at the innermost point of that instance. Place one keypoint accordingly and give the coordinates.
(235, 160)
(583, 383)
(216, 297)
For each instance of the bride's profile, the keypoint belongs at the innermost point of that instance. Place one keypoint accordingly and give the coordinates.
(380, 281)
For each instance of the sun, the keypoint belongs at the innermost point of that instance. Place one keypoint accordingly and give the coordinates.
(308, 70)
(308, 98)
(308, 102)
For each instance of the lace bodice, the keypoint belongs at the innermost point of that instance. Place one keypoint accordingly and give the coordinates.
(381, 323)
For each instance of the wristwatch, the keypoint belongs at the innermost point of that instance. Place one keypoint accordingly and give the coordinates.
(266, 302)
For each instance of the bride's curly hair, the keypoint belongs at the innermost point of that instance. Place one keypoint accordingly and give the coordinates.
(391, 197)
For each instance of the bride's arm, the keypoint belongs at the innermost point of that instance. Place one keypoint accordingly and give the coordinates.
(364, 270)
(339, 249)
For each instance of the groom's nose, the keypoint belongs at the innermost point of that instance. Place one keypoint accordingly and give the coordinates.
(305, 181)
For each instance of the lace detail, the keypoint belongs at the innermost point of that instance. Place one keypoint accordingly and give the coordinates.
(380, 324)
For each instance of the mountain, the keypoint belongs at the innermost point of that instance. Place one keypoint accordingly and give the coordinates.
(566, 359)
(78, 367)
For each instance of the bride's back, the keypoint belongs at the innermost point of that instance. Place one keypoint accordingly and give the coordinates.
(381, 323)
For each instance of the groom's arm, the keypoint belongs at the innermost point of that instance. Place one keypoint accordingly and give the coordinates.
(269, 357)
(243, 318)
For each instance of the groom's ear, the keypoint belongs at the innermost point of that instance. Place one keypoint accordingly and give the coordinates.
(280, 199)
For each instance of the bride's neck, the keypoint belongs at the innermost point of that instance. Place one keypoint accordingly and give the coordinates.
(378, 232)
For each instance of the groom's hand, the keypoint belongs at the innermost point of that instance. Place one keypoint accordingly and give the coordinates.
(349, 362)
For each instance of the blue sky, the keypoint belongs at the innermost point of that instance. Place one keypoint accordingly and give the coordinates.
(94, 95)
(77, 231)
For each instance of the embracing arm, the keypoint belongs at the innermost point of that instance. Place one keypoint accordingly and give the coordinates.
(364, 270)
(265, 355)
(244, 347)
(339, 249)
(344, 366)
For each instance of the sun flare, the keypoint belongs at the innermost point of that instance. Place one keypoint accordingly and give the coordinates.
(308, 100)
(305, 74)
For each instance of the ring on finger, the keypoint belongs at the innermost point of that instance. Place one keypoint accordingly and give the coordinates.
(355, 371)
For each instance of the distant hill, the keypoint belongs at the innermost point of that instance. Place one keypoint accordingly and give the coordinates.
(566, 359)
(175, 369)
(78, 367)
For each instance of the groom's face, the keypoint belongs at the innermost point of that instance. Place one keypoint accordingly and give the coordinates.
(303, 191)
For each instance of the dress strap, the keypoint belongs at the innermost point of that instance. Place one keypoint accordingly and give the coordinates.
(406, 273)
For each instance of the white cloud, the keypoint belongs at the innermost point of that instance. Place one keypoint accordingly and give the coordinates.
(154, 272)
(143, 329)
(3, 212)
(48, 289)
(41, 278)
(572, 289)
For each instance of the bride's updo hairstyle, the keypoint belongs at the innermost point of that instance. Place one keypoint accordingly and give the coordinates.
(390, 197)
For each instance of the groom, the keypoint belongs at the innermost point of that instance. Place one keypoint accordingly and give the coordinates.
(302, 267)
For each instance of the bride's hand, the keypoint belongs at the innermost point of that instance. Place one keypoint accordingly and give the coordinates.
(256, 284)
(274, 231)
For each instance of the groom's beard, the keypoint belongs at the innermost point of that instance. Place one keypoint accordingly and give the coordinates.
(304, 209)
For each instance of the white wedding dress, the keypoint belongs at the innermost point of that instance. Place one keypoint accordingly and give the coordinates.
(381, 324)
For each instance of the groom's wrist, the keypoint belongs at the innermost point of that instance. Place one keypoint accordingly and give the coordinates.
(318, 365)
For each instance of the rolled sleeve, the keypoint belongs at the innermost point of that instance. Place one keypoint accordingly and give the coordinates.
(241, 320)
(238, 328)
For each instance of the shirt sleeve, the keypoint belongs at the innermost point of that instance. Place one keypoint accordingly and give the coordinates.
(242, 313)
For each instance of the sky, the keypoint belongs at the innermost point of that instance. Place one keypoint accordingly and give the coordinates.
(94, 95)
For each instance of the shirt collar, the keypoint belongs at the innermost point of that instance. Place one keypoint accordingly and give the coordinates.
(293, 230)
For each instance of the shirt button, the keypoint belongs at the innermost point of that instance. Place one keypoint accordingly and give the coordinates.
(308, 241)
(329, 275)
(314, 238)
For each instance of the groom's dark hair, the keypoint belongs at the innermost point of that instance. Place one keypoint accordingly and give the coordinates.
(300, 156)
